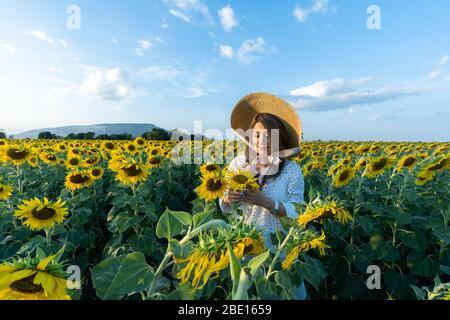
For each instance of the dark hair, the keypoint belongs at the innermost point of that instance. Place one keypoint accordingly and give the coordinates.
(270, 122)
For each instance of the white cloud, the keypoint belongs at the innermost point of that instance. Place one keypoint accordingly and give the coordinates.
(319, 89)
(8, 48)
(114, 41)
(317, 7)
(189, 11)
(158, 73)
(444, 59)
(106, 84)
(301, 14)
(145, 45)
(434, 74)
(55, 69)
(43, 36)
(249, 51)
(341, 94)
(63, 43)
(250, 48)
(180, 15)
(227, 18)
(226, 51)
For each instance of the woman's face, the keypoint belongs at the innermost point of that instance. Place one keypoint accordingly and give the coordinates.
(261, 140)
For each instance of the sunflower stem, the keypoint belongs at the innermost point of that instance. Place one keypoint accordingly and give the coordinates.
(277, 254)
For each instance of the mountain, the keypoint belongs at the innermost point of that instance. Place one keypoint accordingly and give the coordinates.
(135, 129)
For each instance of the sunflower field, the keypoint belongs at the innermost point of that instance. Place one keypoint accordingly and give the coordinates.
(123, 220)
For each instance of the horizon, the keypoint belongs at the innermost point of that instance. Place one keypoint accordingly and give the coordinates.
(175, 62)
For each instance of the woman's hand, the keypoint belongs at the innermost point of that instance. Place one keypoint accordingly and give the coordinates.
(234, 197)
(259, 199)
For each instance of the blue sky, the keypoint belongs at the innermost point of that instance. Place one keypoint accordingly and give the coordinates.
(174, 62)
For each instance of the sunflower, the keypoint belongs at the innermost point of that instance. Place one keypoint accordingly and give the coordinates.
(155, 162)
(207, 261)
(308, 241)
(132, 173)
(132, 148)
(212, 187)
(33, 161)
(424, 176)
(361, 164)
(32, 280)
(320, 210)
(16, 154)
(241, 180)
(343, 176)
(378, 165)
(210, 168)
(93, 160)
(38, 215)
(78, 180)
(5, 191)
(73, 162)
(96, 173)
(439, 165)
(139, 141)
(408, 162)
(108, 146)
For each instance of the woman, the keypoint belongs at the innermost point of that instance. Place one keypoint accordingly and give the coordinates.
(271, 129)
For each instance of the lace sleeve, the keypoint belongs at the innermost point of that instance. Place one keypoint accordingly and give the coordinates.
(295, 189)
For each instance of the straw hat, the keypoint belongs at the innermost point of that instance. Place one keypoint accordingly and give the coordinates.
(260, 102)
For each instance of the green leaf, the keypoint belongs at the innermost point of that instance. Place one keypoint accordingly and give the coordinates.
(414, 239)
(442, 232)
(420, 293)
(365, 222)
(201, 218)
(115, 277)
(422, 265)
(235, 268)
(283, 279)
(257, 262)
(181, 251)
(400, 284)
(172, 223)
(312, 271)
(266, 289)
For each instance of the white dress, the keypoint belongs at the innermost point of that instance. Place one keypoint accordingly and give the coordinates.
(287, 187)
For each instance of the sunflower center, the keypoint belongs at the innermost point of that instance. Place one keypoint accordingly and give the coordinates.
(96, 172)
(17, 154)
(155, 161)
(380, 164)
(74, 162)
(109, 146)
(26, 286)
(344, 175)
(210, 167)
(439, 165)
(43, 214)
(79, 178)
(1, 189)
(409, 162)
(131, 148)
(240, 178)
(132, 171)
(212, 185)
(51, 157)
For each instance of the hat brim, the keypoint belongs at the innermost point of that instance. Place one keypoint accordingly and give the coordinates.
(260, 102)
